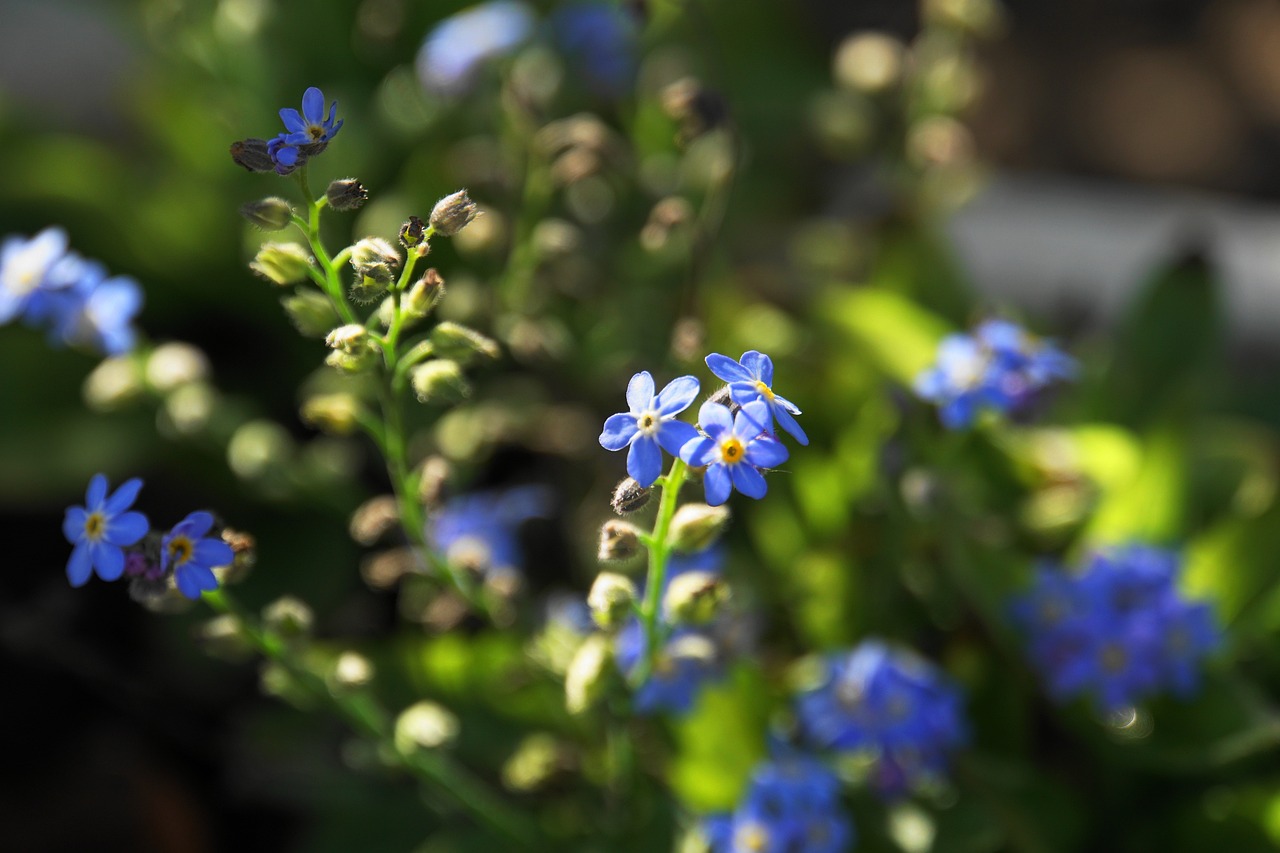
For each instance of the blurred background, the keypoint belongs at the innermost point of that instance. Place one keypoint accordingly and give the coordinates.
(686, 177)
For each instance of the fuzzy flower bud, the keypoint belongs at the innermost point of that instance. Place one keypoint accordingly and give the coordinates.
(425, 293)
(289, 619)
(335, 413)
(222, 638)
(252, 155)
(439, 381)
(174, 364)
(694, 598)
(629, 496)
(373, 250)
(352, 339)
(455, 341)
(589, 675)
(452, 213)
(351, 362)
(433, 479)
(346, 194)
(425, 725)
(619, 540)
(610, 599)
(268, 214)
(282, 263)
(374, 518)
(696, 527)
(351, 671)
(413, 232)
(310, 312)
(112, 384)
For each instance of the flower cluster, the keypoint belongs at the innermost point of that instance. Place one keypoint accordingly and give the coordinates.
(793, 803)
(888, 704)
(480, 530)
(112, 540)
(307, 133)
(733, 448)
(1118, 632)
(45, 285)
(1000, 368)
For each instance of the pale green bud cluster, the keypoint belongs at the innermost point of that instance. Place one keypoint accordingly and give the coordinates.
(282, 263)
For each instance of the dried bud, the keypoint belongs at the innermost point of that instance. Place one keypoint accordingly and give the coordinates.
(611, 598)
(252, 155)
(697, 526)
(425, 725)
(282, 263)
(432, 480)
(335, 413)
(413, 232)
(439, 381)
(289, 619)
(351, 671)
(589, 676)
(173, 364)
(245, 548)
(694, 598)
(268, 214)
(619, 540)
(629, 496)
(452, 213)
(455, 341)
(374, 519)
(346, 194)
(425, 293)
(310, 312)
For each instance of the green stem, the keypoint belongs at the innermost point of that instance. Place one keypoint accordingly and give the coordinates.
(659, 551)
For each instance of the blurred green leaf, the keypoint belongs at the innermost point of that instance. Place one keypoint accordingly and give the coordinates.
(900, 337)
(721, 741)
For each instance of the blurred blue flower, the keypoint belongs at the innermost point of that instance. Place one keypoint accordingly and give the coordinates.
(687, 660)
(998, 368)
(453, 52)
(192, 555)
(101, 530)
(29, 267)
(733, 450)
(750, 379)
(890, 704)
(598, 40)
(651, 426)
(792, 804)
(481, 529)
(1118, 632)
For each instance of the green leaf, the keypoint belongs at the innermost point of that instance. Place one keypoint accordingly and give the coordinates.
(899, 337)
(721, 741)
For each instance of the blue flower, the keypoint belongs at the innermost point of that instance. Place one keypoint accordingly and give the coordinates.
(453, 52)
(599, 41)
(687, 660)
(97, 312)
(310, 127)
(482, 528)
(27, 267)
(192, 555)
(750, 379)
(101, 530)
(792, 803)
(890, 704)
(733, 449)
(650, 426)
(998, 368)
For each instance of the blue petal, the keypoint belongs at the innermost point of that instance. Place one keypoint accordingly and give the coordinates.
(674, 435)
(677, 396)
(640, 392)
(788, 423)
(766, 452)
(697, 450)
(292, 120)
(753, 419)
(644, 461)
(791, 407)
(748, 480)
(717, 484)
(285, 155)
(744, 392)
(126, 529)
(313, 105)
(727, 369)
(213, 552)
(958, 413)
(79, 567)
(73, 524)
(714, 418)
(123, 497)
(759, 365)
(195, 525)
(108, 560)
(95, 493)
(192, 580)
(618, 431)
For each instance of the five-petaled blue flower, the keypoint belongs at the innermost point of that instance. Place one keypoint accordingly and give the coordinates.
(191, 555)
(751, 378)
(650, 426)
(454, 52)
(733, 449)
(101, 529)
(306, 133)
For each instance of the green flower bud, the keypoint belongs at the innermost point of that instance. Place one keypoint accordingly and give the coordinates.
(252, 155)
(534, 762)
(352, 337)
(629, 496)
(452, 213)
(590, 674)
(425, 725)
(289, 619)
(258, 449)
(311, 313)
(346, 194)
(371, 251)
(222, 638)
(268, 214)
(697, 526)
(413, 232)
(610, 599)
(351, 671)
(352, 362)
(352, 350)
(112, 384)
(455, 341)
(694, 598)
(335, 413)
(282, 263)
(619, 540)
(371, 282)
(439, 381)
(423, 295)
(175, 364)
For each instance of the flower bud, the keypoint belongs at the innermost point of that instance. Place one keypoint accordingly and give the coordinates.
(289, 619)
(619, 540)
(335, 413)
(245, 549)
(697, 526)
(221, 637)
(282, 263)
(374, 518)
(455, 341)
(432, 480)
(371, 282)
(423, 295)
(413, 232)
(352, 338)
(610, 599)
(112, 384)
(351, 671)
(439, 381)
(425, 725)
(310, 312)
(268, 214)
(590, 674)
(173, 364)
(534, 763)
(452, 213)
(694, 598)
(259, 448)
(371, 251)
(346, 194)
(252, 155)
(629, 496)
(352, 362)
(384, 569)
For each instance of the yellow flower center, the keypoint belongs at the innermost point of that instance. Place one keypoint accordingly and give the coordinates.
(764, 390)
(751, 837)
(95, 525)
(731, 450)
(316, 131)
(180, 550)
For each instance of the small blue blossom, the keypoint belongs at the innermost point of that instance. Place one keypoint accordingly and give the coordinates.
(25, 267)
(482, 529)
(687, 661)
(998, 368)
(792, 804)
(306, 133)
(1119, 632)
(651, 426)
(751, 378)
(98, 312)
(733, 450)
(599, 42)
(890, 704)
(453, 53)
(101, 530)
(192, 555)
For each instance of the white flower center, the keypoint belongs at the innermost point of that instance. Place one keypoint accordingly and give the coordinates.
(648, 423)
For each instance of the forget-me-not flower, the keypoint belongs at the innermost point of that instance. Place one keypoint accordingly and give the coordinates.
(455, 50)
(306, 134)
(751, 378)
(599, 41)
(191, 554)
(733, 450)
(101, 530)
(687, 660)
(26, 266)
(650, 425)
(490, 522)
